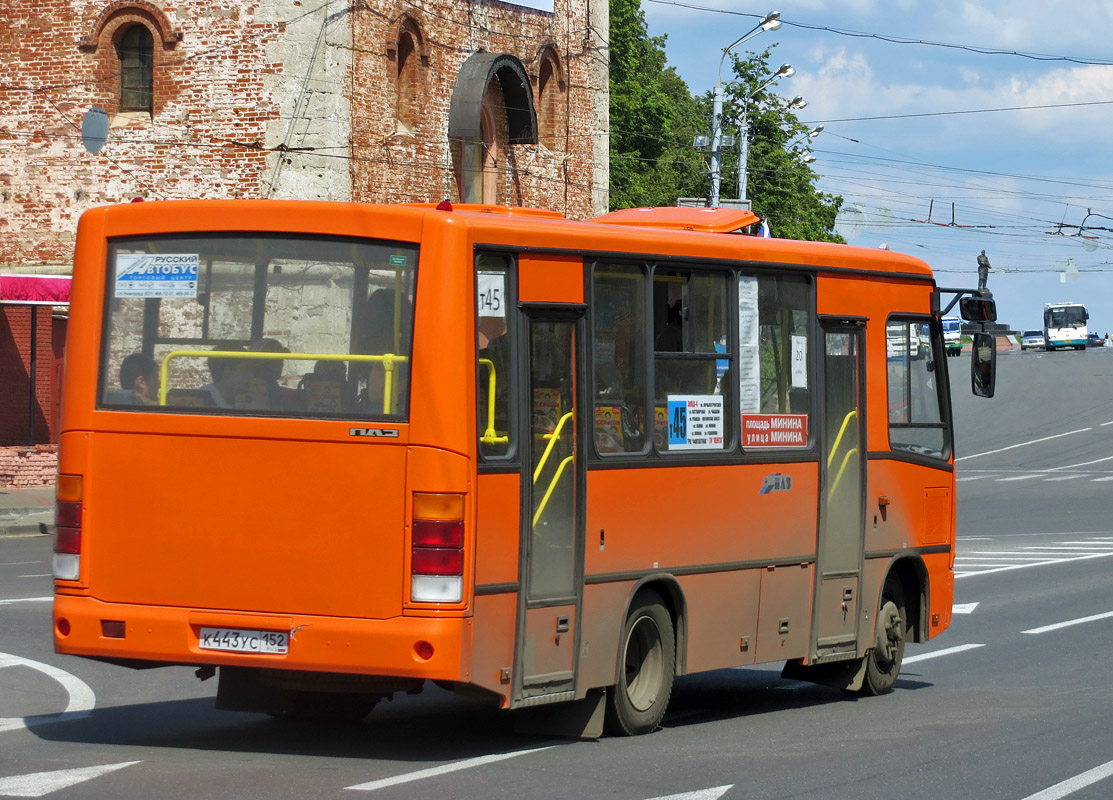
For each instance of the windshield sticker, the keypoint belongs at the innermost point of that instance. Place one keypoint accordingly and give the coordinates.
(695, 422)
(799, 362)
(774, 430)
(491, 298)
(156, 275)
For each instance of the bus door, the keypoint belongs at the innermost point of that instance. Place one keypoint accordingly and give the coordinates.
(841, 546)
(552, 564)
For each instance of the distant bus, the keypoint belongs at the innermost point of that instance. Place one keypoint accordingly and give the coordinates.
(333, 451)
(952, 335)
(1064, 325)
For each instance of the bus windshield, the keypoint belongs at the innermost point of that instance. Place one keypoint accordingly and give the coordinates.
(1066, 317)
(264, 324)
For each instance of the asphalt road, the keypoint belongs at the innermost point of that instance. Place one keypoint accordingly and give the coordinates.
(1012, 702)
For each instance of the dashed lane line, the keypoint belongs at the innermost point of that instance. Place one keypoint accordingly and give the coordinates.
(1072, 785)
(1070, 623)
(444, 769)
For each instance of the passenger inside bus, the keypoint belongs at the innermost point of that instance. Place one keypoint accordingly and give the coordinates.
(267, 393)
(138, 382)
(324, 390)
(231, 379)
(376, 335)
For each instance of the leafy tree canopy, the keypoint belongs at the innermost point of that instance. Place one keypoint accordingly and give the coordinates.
(654, 119)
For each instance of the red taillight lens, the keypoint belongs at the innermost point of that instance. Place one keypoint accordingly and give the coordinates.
(67, 514)
(67, 540)
(437, 561)
(437, 554)
(438, 533)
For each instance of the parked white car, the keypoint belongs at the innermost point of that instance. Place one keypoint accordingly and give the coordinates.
(1030, 340)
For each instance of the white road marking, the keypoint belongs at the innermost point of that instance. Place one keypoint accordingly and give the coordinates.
(26, 600)
(1072, 785)
(699, 794)
(81, 697)
(1063, 560)
(945, 652)
(1099, 480)
(444, 769)
(963, 608)
(1069, 623)
(1024, 444)
(1082, 464)
(1017, 478)
(36, 784)
(38, 575)
(1062, 478)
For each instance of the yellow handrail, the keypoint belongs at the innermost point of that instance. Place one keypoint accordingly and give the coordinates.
(553, 438)
(552, 486)
(386, 359)
(489, 436)
(842, 468)
(838, 439)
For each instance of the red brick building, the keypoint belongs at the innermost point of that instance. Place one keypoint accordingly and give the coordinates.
(374, 101)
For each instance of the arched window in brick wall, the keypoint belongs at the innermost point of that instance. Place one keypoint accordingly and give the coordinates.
(410, 76)
(491, 110)
(128, 42)
(135, 50)
(552, 99)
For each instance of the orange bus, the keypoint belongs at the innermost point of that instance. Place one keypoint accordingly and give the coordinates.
(334, 451)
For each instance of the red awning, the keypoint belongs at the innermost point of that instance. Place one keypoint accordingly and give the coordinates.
(43, 290)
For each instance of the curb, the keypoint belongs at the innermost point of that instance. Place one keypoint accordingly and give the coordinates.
(27, 522)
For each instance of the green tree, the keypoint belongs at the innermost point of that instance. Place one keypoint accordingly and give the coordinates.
(780, 185)
(653, 117)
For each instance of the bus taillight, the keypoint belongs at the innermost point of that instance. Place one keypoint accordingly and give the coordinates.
(67, 527)
(437, 557)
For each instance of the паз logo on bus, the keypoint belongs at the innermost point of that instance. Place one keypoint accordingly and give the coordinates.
(380, 432)
(776, 483)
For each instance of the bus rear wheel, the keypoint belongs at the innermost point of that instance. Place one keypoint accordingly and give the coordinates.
(646, 661)
(884, 659)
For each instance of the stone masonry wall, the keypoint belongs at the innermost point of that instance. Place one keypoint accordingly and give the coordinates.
(281, 99)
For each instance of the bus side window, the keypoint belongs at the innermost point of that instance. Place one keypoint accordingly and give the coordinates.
(772, 378)
(618, 358)
(692, 352)
(494, 362)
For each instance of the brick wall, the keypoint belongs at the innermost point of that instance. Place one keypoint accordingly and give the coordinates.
(28, 466)
(276, 100)
(15, 375)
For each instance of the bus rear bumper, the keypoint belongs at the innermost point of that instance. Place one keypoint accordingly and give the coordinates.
(404, 647)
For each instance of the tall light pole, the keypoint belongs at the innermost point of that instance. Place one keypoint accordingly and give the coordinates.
(785, 71)
(770, 22)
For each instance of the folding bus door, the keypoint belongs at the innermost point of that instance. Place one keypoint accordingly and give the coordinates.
(841, 532)
(552, 510)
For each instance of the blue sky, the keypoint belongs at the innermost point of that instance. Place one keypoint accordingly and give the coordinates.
(1021, 178)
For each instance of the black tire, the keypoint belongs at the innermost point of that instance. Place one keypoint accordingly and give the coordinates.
(646, 662)
(884, 659)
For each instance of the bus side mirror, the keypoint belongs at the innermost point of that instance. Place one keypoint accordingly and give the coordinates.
(978, 309)
(983, 365)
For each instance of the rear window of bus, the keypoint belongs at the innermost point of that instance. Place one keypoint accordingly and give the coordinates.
(258, 324)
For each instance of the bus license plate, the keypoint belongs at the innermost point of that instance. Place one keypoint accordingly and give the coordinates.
(244, 641)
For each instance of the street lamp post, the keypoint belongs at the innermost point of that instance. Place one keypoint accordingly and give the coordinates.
(785, 71)
(770, 22)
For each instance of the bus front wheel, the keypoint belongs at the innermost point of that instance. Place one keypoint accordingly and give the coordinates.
(646, 662)
(884, 658)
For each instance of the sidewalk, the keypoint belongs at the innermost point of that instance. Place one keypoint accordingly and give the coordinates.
(26, 510)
